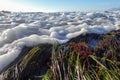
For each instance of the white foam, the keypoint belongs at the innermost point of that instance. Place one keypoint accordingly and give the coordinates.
(30, 29)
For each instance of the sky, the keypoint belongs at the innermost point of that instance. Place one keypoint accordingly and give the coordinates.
(57, 5)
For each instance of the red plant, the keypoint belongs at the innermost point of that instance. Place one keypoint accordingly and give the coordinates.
(109, 55)
(82, 49)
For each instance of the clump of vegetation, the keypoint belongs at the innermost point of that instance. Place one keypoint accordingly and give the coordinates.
(79, 62)
(109, 46)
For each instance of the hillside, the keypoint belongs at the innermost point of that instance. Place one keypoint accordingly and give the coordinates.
(95, 51)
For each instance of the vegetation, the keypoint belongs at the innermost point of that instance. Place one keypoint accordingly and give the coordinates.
(80, 63)
(75, 60)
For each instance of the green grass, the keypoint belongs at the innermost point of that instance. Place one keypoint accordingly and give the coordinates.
(31, 53)
(69, 66)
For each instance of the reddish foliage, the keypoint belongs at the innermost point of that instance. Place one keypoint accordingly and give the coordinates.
(109, 42)
(109, 55)
(81, 48)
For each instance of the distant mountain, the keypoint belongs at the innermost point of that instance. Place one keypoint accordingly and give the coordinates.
(114, 9)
